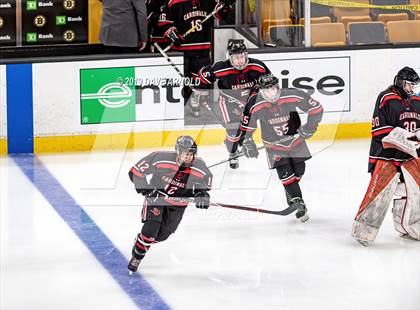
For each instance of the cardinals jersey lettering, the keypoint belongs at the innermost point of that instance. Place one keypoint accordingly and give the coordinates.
(392, 111)
(280, 118)
(169, 178)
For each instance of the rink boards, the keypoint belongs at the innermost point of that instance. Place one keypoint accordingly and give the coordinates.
(135, 103)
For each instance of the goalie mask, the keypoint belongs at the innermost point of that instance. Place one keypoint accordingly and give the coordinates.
(407, 80)
(269, 87)
(237, 53)
(186, 151)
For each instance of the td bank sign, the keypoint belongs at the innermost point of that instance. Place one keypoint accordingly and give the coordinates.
(104, 99)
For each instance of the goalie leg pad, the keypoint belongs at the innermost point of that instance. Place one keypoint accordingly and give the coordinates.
(376, 202)
(407, 211)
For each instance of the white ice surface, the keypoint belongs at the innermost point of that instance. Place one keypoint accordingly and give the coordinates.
(218, 258)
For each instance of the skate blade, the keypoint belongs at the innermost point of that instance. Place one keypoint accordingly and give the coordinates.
(304, 218)
(362, 242)
(130, 273)
(407, 236)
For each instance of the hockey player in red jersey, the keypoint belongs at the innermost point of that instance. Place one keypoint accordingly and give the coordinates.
(235, 77)
(181, 15)
(393, 162)
(176, 177)
(282, 133)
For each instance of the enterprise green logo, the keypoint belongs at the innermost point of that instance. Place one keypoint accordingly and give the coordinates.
(103, 99)
(111, 95)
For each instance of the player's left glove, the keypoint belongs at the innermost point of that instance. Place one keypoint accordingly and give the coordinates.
(305, 132)
(174, 35)
(250, 148)
(227, 3)
(202, 199)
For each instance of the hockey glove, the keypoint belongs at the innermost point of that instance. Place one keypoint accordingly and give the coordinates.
(174, 35)
(227, 3)
(152, 192)
(305, 132)
(202, 200)
(250, 148)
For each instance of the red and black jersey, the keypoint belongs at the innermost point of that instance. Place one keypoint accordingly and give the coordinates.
(232, 83)
(170, 178)
(280, 119)
(392, 111)
(184, 14)
(154, 10)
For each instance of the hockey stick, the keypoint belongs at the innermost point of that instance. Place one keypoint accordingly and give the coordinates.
(284, 212)
(198, 24)
(287, 138)
(169, 60)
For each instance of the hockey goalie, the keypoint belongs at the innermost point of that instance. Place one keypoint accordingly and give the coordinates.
(393, 162)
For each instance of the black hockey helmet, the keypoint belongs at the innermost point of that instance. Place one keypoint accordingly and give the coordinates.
(267, 81)
(236, 47)
(404, 76)
(185, 144)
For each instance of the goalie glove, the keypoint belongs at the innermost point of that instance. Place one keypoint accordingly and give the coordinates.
(250, 148)
(402, 140)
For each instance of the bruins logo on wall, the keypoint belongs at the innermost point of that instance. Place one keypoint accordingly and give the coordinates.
(69, 4)
(40, 21)
(69, 36)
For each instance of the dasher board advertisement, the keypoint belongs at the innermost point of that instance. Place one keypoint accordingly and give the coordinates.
(7, 23)
(130, 94)
(54, 22)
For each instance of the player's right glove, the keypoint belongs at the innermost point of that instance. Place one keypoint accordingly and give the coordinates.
(152, 192)
(174, 35)
(305, 132)
(250, 148)
(202, 199)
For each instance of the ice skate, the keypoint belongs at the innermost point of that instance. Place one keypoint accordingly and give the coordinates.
(195, 106)
(362, 242)
(133, 265)
(195, 111)
(302, 211)
(407, 236)
(302, 214)
(233, 162)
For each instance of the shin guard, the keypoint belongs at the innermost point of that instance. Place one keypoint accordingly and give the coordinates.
(376, 202)
(406, 211)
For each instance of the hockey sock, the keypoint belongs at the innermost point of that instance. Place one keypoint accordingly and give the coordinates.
(142, 245)
(292, 191)
(145, 239)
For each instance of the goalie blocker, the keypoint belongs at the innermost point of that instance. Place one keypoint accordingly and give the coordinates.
(406, 208)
